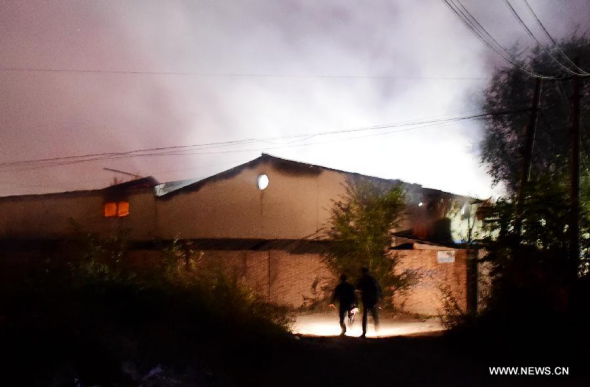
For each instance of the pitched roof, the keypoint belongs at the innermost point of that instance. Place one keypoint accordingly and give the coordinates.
(284, 165)
(168, 190)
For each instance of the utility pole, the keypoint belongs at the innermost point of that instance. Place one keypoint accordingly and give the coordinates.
(574, 227)
(527, 151)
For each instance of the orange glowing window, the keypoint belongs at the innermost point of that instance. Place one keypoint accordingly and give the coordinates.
(122, 209)
(116, 209)
(110, 210)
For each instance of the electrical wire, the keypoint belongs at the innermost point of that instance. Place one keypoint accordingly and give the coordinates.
(94, 156)
(553, 40)
(233, 75)
(480, 32)
(207, 148)
(539, 44)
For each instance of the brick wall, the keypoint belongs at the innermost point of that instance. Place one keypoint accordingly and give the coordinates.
(300, 279)
(425, 297)
(289, 279)
(280, 277)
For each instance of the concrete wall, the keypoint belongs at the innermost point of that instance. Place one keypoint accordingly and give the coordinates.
(46, 216)
(293, 206)
(51, 216)
(296, 204)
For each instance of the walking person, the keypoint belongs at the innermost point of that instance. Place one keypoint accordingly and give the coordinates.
(370, 296)
(345, 294)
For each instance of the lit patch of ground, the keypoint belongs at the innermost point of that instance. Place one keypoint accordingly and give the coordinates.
(326, 324)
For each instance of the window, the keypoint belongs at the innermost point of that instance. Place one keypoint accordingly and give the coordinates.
(116, 209)
(262, 182)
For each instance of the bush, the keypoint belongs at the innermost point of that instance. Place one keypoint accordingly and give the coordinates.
(91, 313)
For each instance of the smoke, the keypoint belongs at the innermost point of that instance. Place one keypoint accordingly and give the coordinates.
(251, 69)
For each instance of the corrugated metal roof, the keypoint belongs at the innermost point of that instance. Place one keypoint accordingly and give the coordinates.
(166, 188)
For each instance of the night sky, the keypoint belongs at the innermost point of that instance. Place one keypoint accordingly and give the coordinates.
(110, 76)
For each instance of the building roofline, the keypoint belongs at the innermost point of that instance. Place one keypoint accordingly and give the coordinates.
(138, 184)
(280, 163)
(286, 163)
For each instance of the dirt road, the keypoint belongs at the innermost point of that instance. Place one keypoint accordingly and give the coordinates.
(406, 353)
(326, 324)
(395, 361)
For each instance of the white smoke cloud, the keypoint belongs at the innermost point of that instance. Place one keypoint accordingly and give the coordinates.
(418, 43)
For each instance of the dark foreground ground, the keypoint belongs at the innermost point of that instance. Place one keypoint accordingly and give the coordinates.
(430, 360)
(109, 330)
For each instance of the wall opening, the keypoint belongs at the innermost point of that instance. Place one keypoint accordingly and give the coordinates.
(263, 182)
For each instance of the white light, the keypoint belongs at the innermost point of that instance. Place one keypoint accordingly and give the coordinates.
(327, 325)
(262, 182)
(420, 204)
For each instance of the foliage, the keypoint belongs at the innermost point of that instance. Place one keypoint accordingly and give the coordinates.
(511, 90)
(535, 287)
(360, 230)
(90, 306)
(452, 315)
(532, 274)
(545, 218)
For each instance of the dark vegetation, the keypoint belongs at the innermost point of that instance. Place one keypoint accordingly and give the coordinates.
(539, 304)
(361, 223)
(511, 90)
(91, 314)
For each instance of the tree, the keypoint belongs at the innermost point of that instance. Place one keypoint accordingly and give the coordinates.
(360, 231)
(545, 202)
(536, 283)
(511, 90)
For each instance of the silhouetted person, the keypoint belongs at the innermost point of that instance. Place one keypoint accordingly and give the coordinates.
(370, 295)
(346, 297)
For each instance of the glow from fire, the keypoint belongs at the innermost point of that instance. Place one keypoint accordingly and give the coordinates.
(327, 325)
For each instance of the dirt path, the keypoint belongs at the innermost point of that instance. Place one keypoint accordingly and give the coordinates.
(326, 324)
(423, 360)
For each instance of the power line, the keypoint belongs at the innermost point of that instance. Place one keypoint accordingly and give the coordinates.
(463, 15)
(553, 40)
(530, 33)
(106, 155)
(206, 148)
(290, 145)
(188, 152)
(233, 75)
(481, 33)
